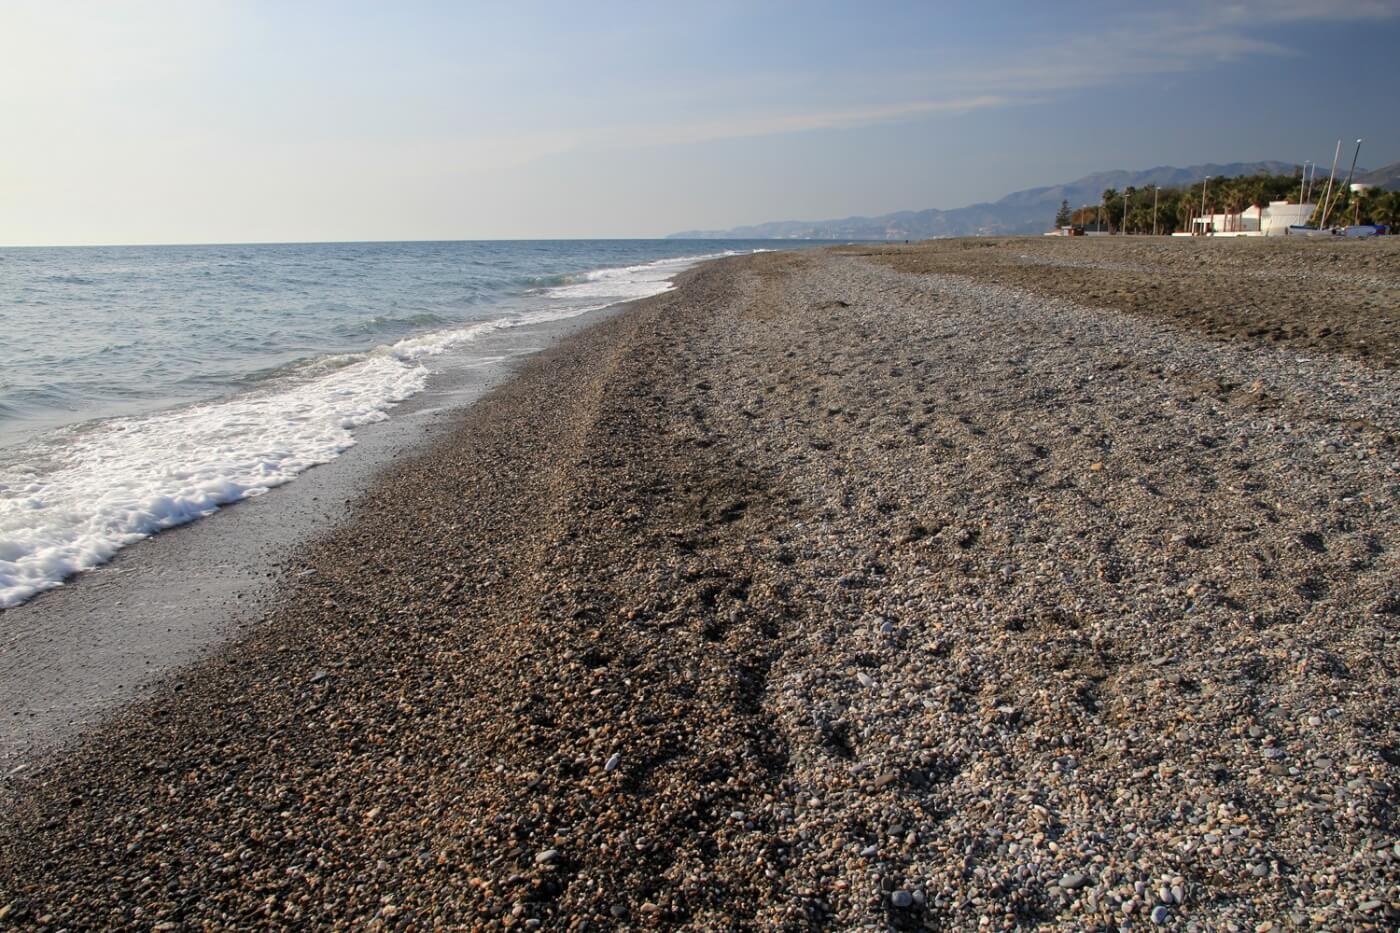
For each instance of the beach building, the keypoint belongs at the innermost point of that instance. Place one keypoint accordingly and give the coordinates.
(1273, 220)
(1242, 224)
(1079, 230)
(1280, 215)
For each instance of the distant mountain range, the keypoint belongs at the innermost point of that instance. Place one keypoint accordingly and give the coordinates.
(1029, 211)
(1387, 177)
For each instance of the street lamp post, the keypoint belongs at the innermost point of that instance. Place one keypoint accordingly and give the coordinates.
(1123, 231)
(1203, 204)
(1156, 190)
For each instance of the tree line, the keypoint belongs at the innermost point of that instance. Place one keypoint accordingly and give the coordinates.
(1132, 208)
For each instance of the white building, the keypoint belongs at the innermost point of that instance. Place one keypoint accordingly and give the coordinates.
(1273, 220)
(1280, 215)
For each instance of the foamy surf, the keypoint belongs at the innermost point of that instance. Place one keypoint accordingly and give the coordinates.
(74, 498)
(631, 282)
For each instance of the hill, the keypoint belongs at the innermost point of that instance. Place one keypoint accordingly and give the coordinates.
(1387, 177)
(1028, 211)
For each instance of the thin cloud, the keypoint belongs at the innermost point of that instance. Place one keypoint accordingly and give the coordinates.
(1160, 43)
(1253, 12)
(1135, 45)
(774, 124)
(498, 151)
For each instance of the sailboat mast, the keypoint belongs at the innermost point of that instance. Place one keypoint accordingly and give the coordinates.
(1350, 173)
(1331, 175)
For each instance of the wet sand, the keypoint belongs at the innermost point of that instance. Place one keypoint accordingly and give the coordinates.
(816, 593)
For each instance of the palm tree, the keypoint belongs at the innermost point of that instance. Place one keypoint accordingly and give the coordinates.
(1259, 195)
(1239, 197)
(1385, 207)
(1185, 212)
(1231, 198)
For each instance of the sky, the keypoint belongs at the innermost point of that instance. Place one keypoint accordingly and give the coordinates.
(185, 121)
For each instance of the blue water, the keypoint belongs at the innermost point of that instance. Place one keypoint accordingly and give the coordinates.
(95, 332)
(144, 387)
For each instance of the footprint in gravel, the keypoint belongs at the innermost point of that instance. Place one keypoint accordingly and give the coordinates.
(1313, 542)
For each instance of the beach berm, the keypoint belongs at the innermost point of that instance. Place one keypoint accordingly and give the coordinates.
(975, 584)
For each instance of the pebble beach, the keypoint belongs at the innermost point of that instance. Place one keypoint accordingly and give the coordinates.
(976, 584)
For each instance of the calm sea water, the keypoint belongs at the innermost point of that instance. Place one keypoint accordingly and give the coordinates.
(143, 387)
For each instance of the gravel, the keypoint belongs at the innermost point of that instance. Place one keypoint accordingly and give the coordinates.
(822, 545)
(1331, 296)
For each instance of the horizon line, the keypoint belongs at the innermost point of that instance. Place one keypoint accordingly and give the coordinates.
(547, 239)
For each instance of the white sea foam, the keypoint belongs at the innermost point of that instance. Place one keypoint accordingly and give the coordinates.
(71, 501)
(631, 282)
(116, 482)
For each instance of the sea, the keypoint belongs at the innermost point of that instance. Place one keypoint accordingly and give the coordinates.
(145, 387)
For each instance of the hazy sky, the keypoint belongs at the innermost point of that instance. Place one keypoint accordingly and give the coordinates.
(185, 121)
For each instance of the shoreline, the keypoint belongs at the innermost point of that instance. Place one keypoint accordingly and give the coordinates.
(102, 479)
(812, 593)
(109, 635)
